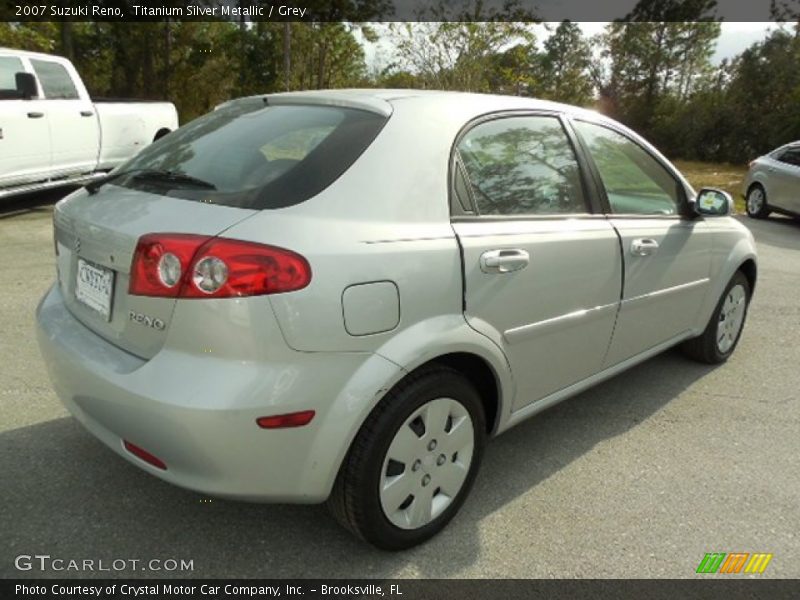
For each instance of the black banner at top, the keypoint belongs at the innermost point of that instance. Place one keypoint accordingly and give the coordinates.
(400, 10)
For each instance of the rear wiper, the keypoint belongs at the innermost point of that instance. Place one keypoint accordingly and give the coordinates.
(93, 186)
(174, 177)
(152, 174)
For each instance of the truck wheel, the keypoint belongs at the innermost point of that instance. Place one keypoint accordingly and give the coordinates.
(723, 331)
(413, 462)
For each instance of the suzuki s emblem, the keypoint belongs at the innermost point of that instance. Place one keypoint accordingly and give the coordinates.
(77, 244)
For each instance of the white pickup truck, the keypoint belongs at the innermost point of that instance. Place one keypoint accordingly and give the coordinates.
(52, 133)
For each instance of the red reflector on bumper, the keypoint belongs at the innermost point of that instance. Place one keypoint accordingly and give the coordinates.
(297, 419)
(144, 455)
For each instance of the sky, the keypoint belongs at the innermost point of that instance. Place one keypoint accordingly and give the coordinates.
(734, 38)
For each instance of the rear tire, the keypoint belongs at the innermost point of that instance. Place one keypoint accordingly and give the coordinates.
(413, 462)
(721, 336)
(756, 202)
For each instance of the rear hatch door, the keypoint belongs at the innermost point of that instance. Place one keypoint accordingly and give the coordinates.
(96, 236)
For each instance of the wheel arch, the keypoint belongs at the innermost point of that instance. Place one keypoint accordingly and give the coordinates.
(756, 183)
(480, 374)
(446, 340)
(450, 341)
(161, 133)
(741, 257)
(750, 270)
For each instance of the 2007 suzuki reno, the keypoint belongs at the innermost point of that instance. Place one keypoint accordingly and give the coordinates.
(342, 295)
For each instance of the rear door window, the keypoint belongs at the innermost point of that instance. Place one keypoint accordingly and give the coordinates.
(54, 79)
(9, 67)
(253, 155)
(790, 156)
(521, 166)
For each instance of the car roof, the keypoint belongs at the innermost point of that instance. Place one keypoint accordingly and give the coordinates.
(791, 145)
(382, 100)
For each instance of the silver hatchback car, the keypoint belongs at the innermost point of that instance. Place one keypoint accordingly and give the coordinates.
(342, 295)
(773, 183)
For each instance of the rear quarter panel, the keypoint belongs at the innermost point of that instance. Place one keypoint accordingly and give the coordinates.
(384, 219)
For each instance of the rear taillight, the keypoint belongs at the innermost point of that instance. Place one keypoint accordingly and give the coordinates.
(174, 265)
(159, 258)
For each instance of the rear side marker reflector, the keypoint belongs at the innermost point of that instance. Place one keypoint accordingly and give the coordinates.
(297, 419)
(144, 455)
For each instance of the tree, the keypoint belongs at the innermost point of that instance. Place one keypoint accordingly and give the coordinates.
(259, 56)
(332, 44)
(392, 78)
(650, 61)
(764, 96)
(786, 10)
(745, 108)
(456, 46)
(456, 56)
(325, 55)
(565, 67)
(514, 71)
(33, 36)
(696, 127)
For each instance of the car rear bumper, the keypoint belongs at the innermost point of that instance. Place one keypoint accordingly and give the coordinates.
(197, 412)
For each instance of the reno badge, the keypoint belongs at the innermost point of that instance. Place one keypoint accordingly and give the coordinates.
(147, 321)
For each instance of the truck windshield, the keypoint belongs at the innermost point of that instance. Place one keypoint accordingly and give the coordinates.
(253, 155)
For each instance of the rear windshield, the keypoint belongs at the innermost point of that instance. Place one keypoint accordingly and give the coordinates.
(251, 155)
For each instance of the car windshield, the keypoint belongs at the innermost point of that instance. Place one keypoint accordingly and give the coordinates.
(249, 154)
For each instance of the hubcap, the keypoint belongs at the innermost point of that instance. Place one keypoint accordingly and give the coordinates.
(731, 318)
(755, 200)
(427, 463)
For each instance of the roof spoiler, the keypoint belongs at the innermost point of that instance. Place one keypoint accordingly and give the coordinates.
(332, 98)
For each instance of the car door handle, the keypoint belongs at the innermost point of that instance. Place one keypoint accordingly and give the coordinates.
(35, 115)
(86, 113)
(643, 247)
(504, 261)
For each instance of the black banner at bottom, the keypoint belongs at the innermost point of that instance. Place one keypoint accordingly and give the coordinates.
(398, 589)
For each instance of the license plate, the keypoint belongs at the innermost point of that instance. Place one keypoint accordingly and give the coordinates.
(94, 287)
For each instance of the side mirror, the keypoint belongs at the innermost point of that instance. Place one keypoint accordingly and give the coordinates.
(712, 202)
(26, 85)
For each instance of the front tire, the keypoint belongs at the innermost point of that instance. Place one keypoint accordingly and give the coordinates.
(756, 202)
(724, 329)
(413, 462)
